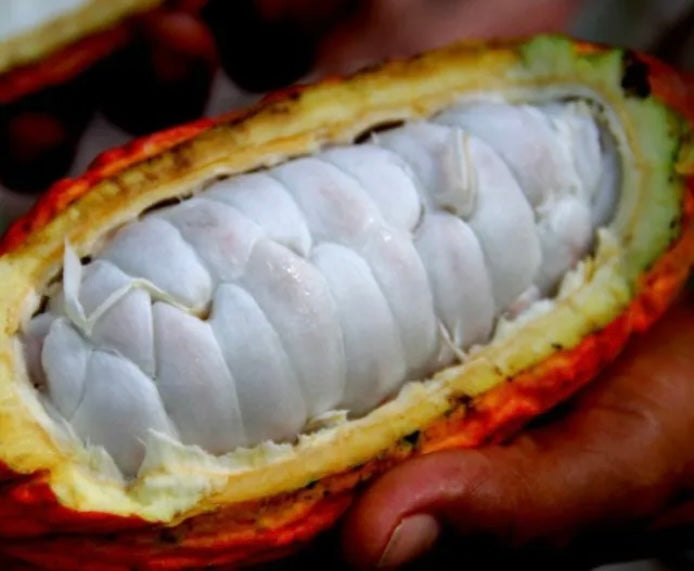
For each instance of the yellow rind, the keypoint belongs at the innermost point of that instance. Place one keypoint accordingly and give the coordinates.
(179, 481)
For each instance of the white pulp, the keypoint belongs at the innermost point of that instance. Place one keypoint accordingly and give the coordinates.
(324, 283)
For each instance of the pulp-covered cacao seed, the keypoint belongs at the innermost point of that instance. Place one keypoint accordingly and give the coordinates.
(214, 324)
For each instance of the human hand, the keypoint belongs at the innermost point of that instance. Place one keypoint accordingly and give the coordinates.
(622, 457)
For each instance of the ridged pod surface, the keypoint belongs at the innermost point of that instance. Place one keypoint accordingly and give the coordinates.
(58, 511)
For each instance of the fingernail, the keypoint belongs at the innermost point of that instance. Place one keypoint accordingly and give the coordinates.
(413, 537)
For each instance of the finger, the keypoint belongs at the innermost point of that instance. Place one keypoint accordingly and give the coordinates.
(619, 455)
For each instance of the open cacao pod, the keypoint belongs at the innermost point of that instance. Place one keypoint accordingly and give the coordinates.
(218, 333)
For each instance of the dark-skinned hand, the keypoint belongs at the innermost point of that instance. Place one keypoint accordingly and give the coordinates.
(622, 457)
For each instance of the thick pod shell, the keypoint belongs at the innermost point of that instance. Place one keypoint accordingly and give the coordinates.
(65, 506)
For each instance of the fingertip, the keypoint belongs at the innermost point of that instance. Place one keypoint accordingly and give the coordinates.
(398, 518)
(413, 537)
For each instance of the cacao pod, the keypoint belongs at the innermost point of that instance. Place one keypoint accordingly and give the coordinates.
(74, 496)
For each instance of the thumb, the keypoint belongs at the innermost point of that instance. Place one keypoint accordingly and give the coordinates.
(618, 456)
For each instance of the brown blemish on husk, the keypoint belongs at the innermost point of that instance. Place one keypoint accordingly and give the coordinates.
(636, 77)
